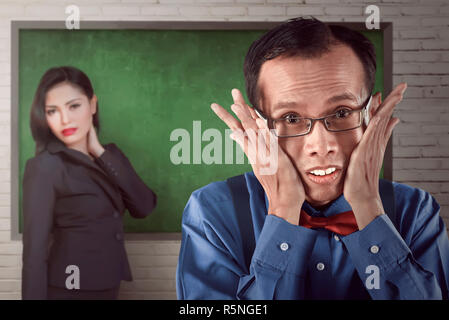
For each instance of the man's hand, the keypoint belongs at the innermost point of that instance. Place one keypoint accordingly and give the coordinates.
(284, 188)
(361, 186)
(93, 145)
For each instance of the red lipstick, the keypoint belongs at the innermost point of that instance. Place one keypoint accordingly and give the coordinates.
(69, 131)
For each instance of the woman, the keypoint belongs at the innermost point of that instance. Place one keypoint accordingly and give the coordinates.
(78, 190)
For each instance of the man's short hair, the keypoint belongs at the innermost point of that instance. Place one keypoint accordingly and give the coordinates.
(308, 38)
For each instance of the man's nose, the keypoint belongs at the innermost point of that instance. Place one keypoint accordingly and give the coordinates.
(320, 142)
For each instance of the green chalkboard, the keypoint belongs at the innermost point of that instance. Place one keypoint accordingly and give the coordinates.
(149, 83)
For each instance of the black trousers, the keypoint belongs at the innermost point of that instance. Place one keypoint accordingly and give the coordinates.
(56, 293)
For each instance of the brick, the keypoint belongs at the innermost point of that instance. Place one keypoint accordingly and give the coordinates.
(10, 10)
(407, 44)
(417, 163)
(266, 11)
(435, 22)
(435, 152)
(12, 248)
(282, 1)
(194, 11)
(443, 141)
(419, 117)
(139, 1)
(420, 175)
(10, 273)
(304, 11)
(416, 56)
(414, 92)
(418, 34)
(228, 11)
(442, 92)
(159, 249)
(160, 10)
(154, 273)
(422, 81)
(5, 236)
(386, 11)
(407, 152)
(89, 11)
(214, 1)
(325, 2)
(344, 10)
(442, 199)
(10, 286)
(45, 10)
(435, 44)
(435, 129)
(435, 68)
(153, 261)
(419, 10)
(406, 68)
(5, 224)
(403, 21)
(418, 141)
(113, 10)
(11, 261)
(445, 187)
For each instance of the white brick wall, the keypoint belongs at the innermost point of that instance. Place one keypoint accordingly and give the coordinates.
(421, 141)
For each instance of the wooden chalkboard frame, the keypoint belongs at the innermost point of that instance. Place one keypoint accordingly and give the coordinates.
(16, 26)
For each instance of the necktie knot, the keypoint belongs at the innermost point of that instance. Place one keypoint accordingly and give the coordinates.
(342, 223)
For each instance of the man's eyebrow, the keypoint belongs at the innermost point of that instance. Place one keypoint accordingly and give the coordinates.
(68, 102)
(343, 96)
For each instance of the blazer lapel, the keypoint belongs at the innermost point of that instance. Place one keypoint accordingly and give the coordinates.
(97, 174)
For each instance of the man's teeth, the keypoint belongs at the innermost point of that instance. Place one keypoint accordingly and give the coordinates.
(322, 172)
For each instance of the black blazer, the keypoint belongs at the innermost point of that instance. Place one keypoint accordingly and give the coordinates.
(81, 202)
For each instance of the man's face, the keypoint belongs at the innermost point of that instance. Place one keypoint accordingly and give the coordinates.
(315, 88)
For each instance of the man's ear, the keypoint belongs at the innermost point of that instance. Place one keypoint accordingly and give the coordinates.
(375, 104)
(93, 104)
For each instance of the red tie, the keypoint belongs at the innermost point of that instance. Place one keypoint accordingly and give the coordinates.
(343, 223)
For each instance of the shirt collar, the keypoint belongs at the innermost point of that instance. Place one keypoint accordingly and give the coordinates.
(337, 206)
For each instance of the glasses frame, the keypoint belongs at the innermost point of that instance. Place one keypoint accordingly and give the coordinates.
(363, 115)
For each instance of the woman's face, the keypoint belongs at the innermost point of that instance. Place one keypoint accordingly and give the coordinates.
(69, 114)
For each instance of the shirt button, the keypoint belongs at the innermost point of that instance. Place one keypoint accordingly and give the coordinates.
(119, 236)
(320, 266)
(116, 214)
(284, 246)
(374, 249)
(337, 238)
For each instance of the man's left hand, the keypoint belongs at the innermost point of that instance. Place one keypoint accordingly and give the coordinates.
(361, 186)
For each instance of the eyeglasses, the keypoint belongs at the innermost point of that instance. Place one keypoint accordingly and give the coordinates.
(294, 126)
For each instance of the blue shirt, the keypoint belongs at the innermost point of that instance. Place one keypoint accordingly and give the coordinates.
(294, 262)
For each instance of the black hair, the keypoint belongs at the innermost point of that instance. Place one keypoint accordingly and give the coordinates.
(308, 38)
(38, 122)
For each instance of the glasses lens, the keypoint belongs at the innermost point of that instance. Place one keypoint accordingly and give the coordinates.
(291, 126)
(343, 120)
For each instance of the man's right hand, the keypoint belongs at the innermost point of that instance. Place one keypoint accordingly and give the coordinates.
(284, 188)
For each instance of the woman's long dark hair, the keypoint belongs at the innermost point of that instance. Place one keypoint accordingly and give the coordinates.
(38, 121)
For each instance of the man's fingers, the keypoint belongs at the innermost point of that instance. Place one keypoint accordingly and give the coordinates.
(238, 97)
(226, 117)
(387, 107)
(392, 123)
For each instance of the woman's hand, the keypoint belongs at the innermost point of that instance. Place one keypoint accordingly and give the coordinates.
(361, 186)
(283, 186)
(94, 146)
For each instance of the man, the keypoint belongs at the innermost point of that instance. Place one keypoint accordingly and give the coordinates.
(319, 222)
